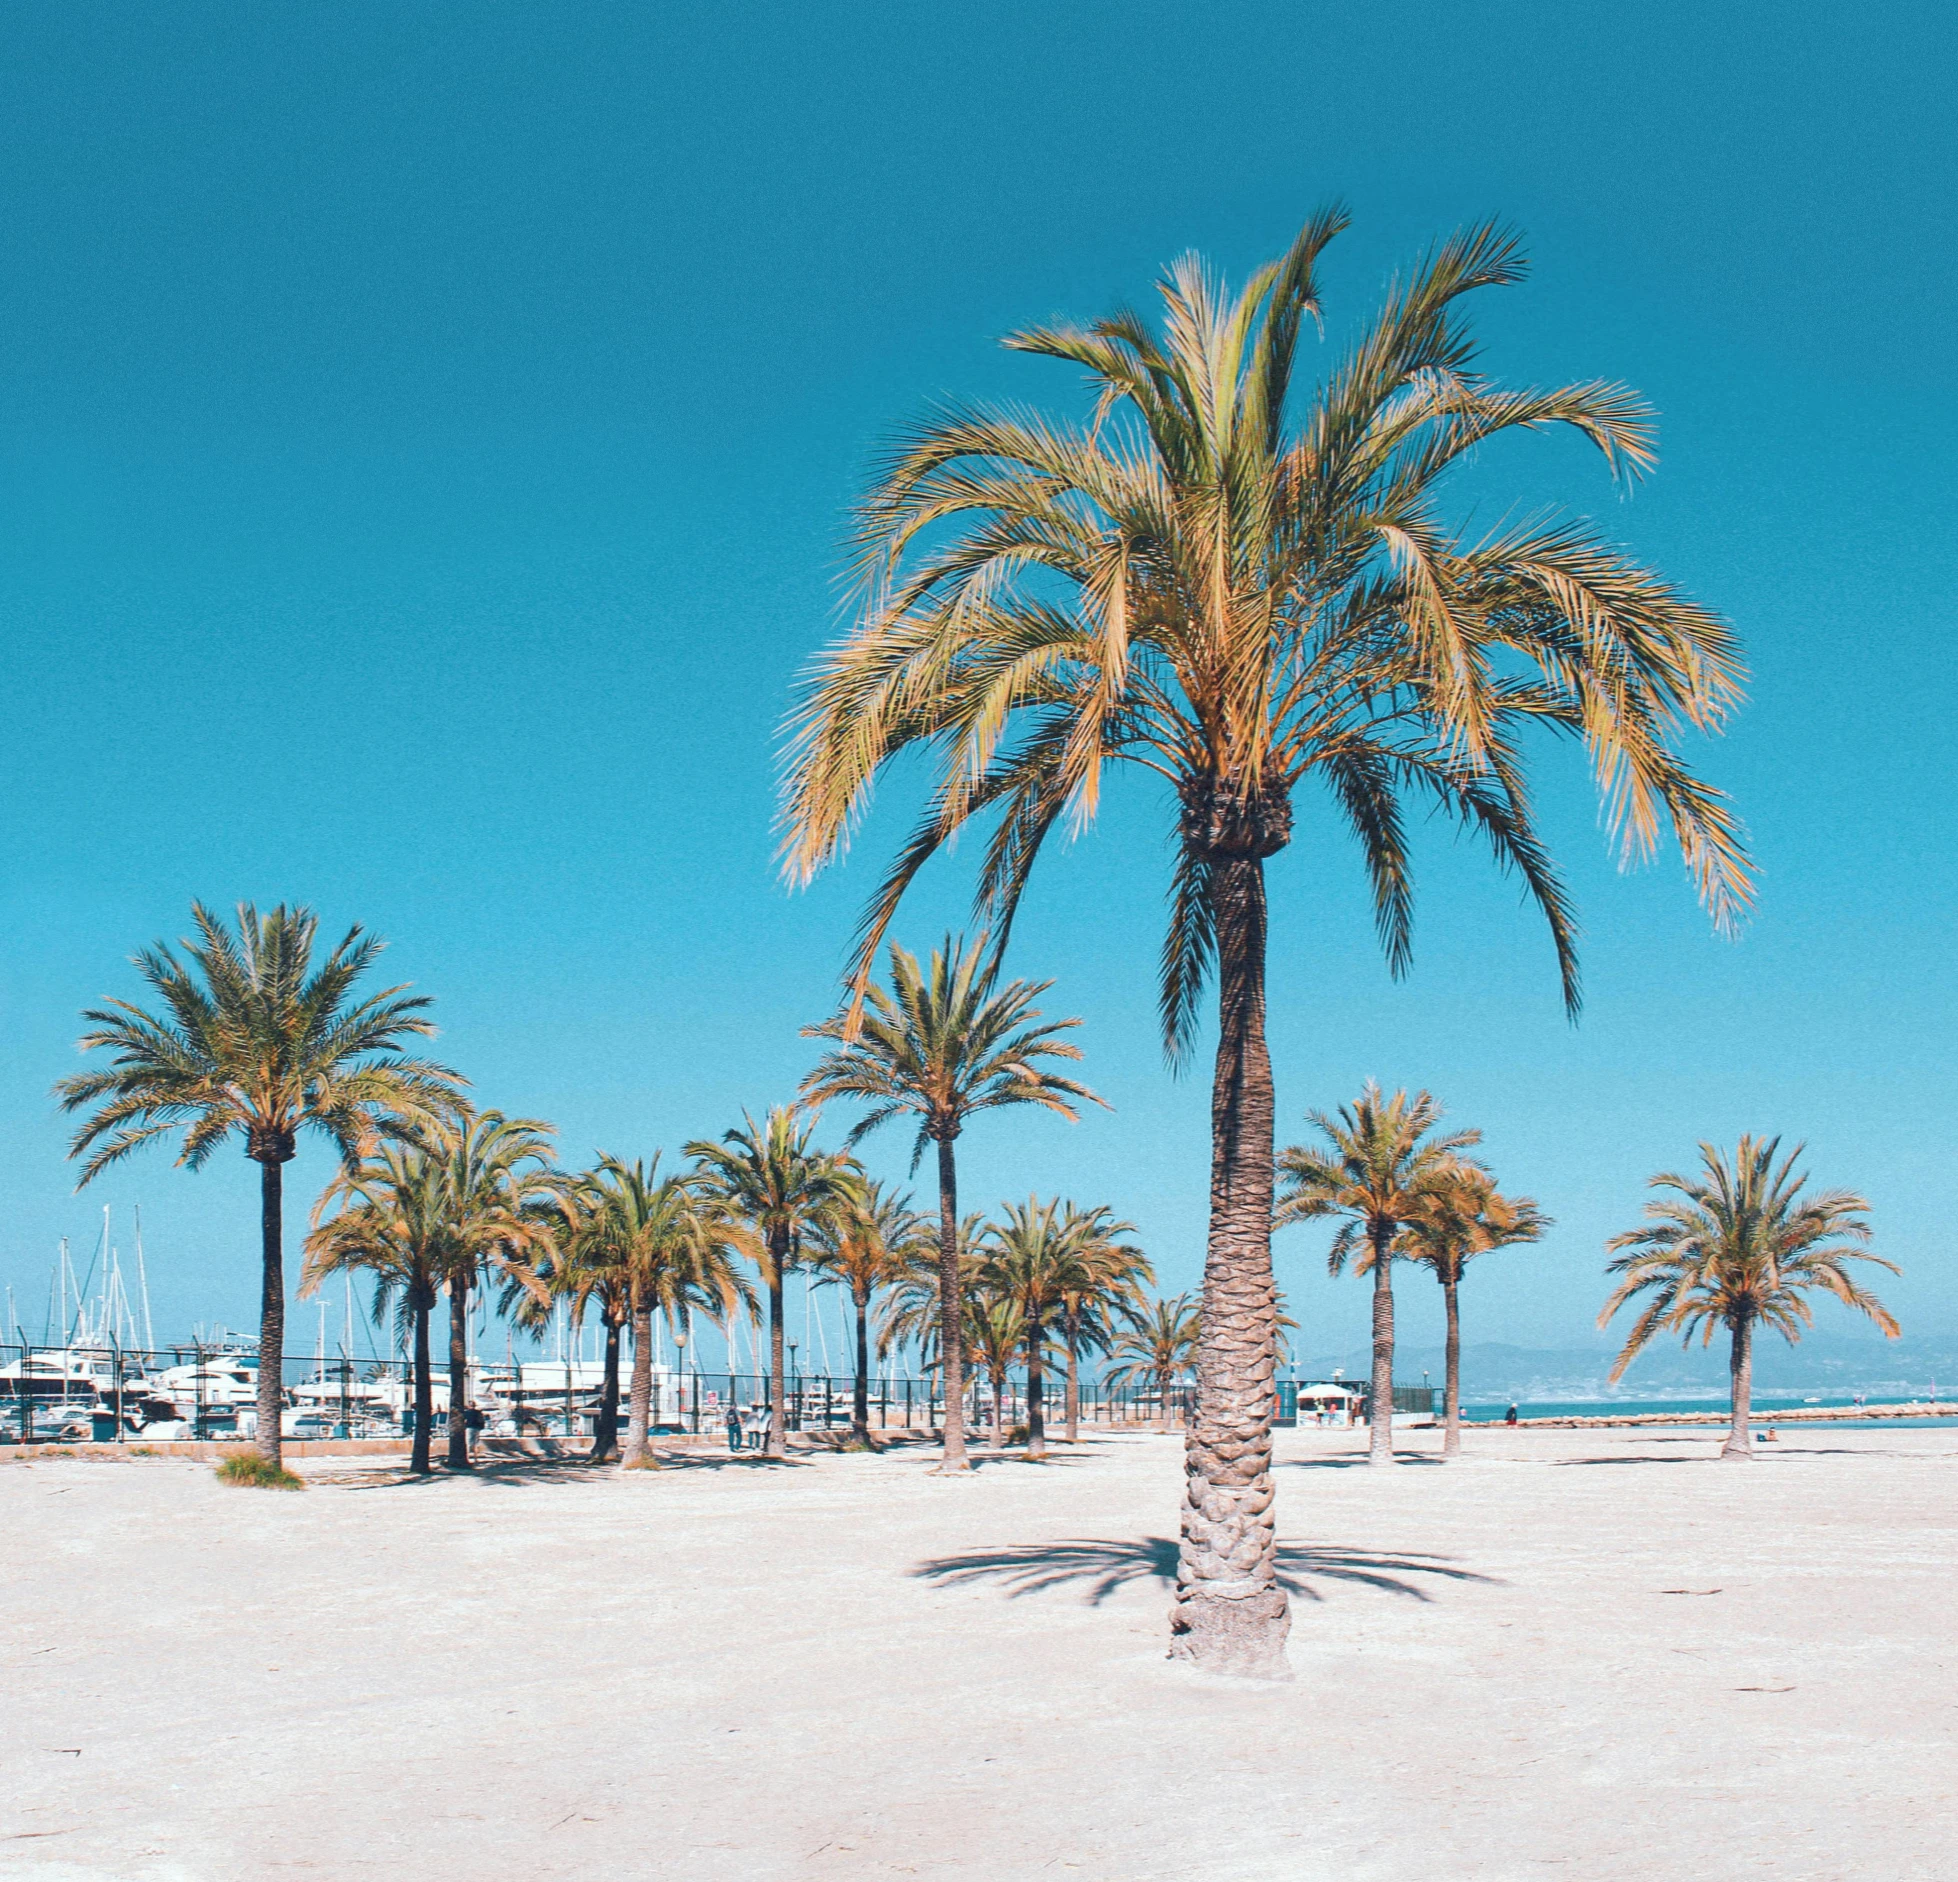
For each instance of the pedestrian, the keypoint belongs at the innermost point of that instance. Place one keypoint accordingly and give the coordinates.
(1511, 1418)
(764, 1423)
(472, 1424)
(733, 1426)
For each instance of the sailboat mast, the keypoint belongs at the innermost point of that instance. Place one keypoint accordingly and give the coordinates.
(143, 1281)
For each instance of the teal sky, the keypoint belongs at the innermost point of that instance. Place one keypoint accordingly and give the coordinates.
(425, 436)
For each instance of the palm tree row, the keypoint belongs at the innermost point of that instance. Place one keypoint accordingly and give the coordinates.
(1737, 1247)
(433, 1196)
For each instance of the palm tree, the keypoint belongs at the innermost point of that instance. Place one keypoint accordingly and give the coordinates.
(649, 1244)
(1107, 1280)
(505, 1203)
(938, 1046)
(252, 1039)
(1160, 1340)
(390, 1219)
(996, 1335)
(769, 1176)
(1740, 1247)
(1461, 1218)
(1237, 597)
(913, 1313)
(863, 1245)
(1377, 1171)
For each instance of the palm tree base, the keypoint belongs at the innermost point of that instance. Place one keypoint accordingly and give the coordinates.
(1243, 1635)
(1731, 1449)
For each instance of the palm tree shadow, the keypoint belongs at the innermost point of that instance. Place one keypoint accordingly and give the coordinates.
(1104, 1566)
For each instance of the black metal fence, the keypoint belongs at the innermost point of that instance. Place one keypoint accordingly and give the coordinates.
(110, 1393)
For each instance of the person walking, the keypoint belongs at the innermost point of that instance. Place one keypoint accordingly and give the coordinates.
(764, 1422)
(472, 1424)
(733, 1426)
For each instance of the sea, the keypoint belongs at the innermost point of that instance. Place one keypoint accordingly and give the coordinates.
(1766, 1407)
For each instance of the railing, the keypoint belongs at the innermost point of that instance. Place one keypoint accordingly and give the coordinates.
(120, 1394)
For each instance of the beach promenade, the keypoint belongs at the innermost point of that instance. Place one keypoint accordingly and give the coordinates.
(1594, 1654)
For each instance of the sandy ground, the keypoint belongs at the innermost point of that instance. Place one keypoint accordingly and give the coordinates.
(1590, 1654)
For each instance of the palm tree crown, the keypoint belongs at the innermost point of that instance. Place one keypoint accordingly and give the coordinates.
(943, 1043)
(253, 1038)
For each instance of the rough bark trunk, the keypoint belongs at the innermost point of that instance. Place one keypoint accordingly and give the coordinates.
(271, 1311)
(459, 1374)
(1380, 1402)
(1036, 1393)
(1740, 1440)
(951, 1309)
(639, 1419)
(999, 1411)
(860, 1386)
(424, 1391)
(1230, 1614)
(605, 1435)
(1451, 1442)
(1073, 1401)
(778, 1386)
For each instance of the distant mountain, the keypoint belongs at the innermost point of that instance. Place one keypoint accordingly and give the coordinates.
(1886, 1368)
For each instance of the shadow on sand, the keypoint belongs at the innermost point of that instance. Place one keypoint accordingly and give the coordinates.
(1104, 1566)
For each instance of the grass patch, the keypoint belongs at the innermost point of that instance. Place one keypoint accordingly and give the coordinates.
(648, 1462)
(143, 1450)
(256, 1471)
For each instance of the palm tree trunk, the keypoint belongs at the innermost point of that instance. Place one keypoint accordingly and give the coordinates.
(605, 1438)
(1036, 1393)
(951, 1310)
(424, 1390)
(1230, 1615)
(1380, 1403)
(640, 1418)
(999, 1410)
(1073, 1401)
(459, 1373)
(1451, 1399)
(1740, 1439)
(778, 1391)
(271, 1311)
(860, 1386)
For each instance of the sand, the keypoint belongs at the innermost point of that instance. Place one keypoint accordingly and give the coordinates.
(1589, 1654)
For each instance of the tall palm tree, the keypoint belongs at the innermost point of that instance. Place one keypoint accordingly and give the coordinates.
(390, 1219)
(771, 1178)
(1029, 1261)
(1160, 1340)
(863, 1245)
(1453, 1222)
(940, 1045)
(1106, 1282)
(634, 1243)
(252, 1038)
(1378, 1166)
(1239, 588)
(996, 1335)
(913, 1314)
(1740, 1246)
(505, 1202)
